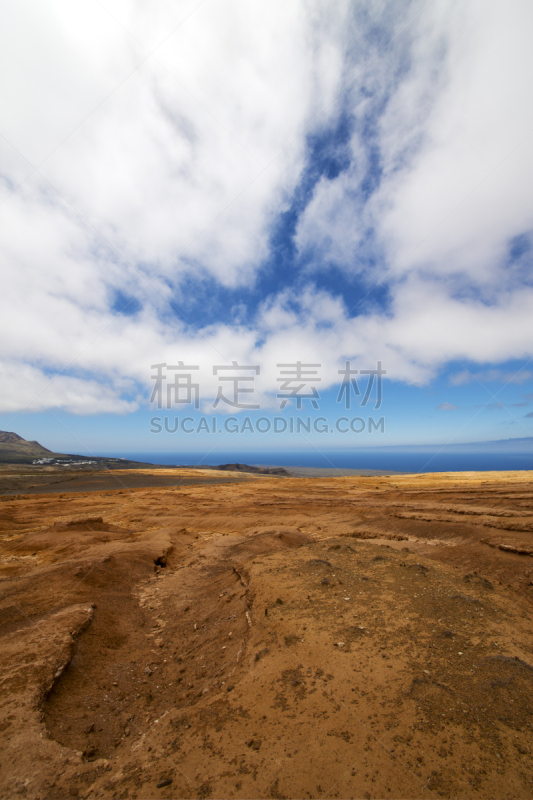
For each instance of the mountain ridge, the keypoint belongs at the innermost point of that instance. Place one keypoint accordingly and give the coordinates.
(14, 448)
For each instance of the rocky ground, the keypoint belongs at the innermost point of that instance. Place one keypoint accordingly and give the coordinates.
(327, 637)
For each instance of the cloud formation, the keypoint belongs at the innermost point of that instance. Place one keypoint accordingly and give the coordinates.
(518, 377)
(165, 161)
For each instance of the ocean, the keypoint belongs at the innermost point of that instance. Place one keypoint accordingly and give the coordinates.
(395, 459)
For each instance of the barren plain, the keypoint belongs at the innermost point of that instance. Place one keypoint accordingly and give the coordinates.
(267, 638)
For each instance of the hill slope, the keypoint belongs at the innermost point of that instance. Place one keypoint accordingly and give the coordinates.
(15, 449)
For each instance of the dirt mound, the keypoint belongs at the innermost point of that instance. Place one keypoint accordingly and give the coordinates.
(289, 537)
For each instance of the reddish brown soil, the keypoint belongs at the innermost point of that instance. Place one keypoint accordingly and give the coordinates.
(340, 637)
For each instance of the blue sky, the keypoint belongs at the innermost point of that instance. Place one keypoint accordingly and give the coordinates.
(449, 410)
(212, 184)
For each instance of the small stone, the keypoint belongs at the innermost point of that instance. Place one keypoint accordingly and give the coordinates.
(255, 744)
(165, 782)
(148, 671)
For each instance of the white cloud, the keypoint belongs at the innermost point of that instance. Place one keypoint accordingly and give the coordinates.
(26, 388)
(468, 189)
(491, 375)
(455, 153)
(155, 167)
(157, 153)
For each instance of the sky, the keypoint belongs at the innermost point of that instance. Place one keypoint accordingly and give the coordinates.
(216, 183)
